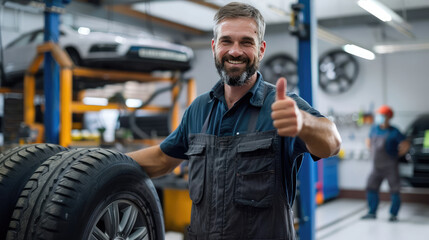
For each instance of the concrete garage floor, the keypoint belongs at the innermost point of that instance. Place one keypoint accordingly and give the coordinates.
(340, 219)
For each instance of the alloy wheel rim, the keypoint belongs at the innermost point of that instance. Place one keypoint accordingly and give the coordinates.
(121, 220)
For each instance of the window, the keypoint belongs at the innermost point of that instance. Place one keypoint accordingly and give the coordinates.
(21, 41)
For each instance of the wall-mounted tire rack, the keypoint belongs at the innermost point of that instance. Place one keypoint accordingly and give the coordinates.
(67, 106)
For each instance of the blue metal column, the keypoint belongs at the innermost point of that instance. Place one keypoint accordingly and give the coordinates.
(306, 63)
(51, 73)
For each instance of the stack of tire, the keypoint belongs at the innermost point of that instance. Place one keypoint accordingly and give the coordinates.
(51, 192)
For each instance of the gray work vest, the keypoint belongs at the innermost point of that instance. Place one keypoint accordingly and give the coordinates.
(237, 187)
(385, 166)
(381, 159)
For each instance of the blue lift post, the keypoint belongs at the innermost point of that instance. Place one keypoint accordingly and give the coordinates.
(51, 72)
(307, 60)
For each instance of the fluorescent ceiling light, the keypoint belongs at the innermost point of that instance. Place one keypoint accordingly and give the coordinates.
(377, 9)
(401, 47)
(359, 51)
(133, 103)
(354, 49)
(386, 15)
(95, 101)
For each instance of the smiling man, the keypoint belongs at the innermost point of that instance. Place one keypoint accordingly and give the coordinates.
(244, 140)
(236, 63)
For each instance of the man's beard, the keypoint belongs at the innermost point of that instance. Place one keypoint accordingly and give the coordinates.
(233, 77)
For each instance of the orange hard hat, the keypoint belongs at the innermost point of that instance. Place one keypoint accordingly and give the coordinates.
(385, 110)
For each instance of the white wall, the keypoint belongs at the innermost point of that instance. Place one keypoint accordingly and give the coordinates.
(15, 22)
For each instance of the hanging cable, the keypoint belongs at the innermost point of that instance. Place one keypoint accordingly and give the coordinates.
(132, 118)
(2, 75)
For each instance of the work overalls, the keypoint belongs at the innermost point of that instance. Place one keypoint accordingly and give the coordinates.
(236, 184)
(385, 166)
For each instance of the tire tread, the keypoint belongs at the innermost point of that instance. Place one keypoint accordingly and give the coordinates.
(16, 167)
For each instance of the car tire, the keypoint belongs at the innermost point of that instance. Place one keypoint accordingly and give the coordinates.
(88, 194)
(74, 56)
(16, 167)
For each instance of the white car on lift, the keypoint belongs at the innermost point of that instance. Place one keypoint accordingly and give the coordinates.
(98, 49)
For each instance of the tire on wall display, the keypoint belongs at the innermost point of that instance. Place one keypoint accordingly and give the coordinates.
(338, 71)
(88, 194)
(281, 65)
(16, 167)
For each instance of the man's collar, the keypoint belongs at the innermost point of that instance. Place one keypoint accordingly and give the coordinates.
(217, 91)
(257, 92)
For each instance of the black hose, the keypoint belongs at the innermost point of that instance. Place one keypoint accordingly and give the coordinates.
(132, 118)
(2, 76)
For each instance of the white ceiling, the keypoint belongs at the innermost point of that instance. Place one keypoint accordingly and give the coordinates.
(200, 17)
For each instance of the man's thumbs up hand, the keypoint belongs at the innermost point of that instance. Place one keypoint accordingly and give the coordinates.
(281, 87)
(287, 117)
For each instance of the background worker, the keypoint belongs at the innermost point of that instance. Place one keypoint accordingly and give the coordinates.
(244, 140)
(386, 144)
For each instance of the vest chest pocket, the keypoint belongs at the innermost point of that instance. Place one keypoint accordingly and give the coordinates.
(255, 175)
(197, 172)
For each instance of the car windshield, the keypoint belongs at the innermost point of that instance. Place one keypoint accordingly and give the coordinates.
(35, 37)
(21, 41)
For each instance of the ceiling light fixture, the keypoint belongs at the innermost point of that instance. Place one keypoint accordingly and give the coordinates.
(386, 15)
(349, 47)
(359, 51)
(401, 47)
(377, 9)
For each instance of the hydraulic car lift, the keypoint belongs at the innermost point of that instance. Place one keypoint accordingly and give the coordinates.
(67, 106)
(304, 25)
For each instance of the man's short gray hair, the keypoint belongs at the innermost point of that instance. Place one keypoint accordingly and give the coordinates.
(237, 10)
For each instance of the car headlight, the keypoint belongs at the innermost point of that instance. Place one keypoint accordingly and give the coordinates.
(103, 48)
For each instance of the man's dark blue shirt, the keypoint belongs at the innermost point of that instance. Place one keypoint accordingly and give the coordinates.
(234, 121)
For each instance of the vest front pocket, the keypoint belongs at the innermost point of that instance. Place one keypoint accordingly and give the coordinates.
(255, 175)
(197, 169)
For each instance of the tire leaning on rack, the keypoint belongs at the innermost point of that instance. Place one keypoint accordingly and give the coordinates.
(16, 167)
(88, 194)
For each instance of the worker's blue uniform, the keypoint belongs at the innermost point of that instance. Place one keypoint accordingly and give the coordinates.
(242, 175)
(384, 154)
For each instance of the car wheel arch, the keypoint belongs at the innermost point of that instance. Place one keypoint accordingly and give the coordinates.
(74, 55)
